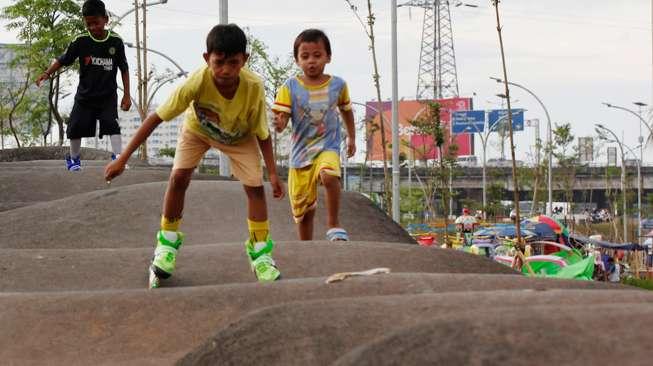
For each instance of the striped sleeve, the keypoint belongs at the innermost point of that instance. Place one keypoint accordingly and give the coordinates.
(344, 103)
(283, 101)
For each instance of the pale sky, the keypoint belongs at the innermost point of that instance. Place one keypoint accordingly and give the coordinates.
(572, 54)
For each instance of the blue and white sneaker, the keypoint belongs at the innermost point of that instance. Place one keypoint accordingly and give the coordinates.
(73, 165)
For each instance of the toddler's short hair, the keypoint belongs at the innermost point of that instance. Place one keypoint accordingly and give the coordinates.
(226, 38)
(94, 8)
(312, 35)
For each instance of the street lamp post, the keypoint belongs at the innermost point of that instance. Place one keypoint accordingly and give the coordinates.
(535, 123)
(601, 131)
(639, 194)
(549, 142)
(640, 139)
(641, 120)
(484, 140)
(146, 96)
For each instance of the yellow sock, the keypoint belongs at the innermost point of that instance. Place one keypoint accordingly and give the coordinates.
(170, 224)
(258, 230)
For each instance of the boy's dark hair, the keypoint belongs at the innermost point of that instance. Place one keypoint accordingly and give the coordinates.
(312, 35)
(94, 8)
(226, 38)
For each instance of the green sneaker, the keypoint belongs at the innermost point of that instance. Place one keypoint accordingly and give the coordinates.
(260, 260)
(165, 255)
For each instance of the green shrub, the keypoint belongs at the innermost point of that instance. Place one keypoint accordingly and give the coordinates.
(639, 282)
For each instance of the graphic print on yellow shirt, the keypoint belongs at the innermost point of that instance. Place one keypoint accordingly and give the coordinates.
(209, 120)
(314, 112)
(228, 121)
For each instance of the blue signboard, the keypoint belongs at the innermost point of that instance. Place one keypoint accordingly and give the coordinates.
(467, 121)
(500, 116)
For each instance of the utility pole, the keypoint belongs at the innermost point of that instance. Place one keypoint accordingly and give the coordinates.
(395, 117)
(225, 169)
(141, 67)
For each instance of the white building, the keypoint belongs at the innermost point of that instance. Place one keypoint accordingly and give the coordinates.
(164, 136)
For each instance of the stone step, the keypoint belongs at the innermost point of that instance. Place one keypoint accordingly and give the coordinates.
(149, 327)
(199, 265)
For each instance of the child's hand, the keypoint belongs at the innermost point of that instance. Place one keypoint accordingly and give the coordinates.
(277, 187)
(280, 120)
(126, 103)
(43, 77)
(351, 147)
(113, 169)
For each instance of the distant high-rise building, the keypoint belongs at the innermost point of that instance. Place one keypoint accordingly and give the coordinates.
(164, 136)
(586, 149)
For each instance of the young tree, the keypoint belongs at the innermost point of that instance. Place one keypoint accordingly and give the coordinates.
(46, 27)
(33, 114)
(515, 182)
(439, 170)
(567, 155)
(12, 96)
(369, 31)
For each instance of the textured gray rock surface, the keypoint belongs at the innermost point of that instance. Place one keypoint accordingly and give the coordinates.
(73, 287)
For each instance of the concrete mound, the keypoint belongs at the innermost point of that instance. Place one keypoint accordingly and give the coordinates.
(215, 212)
(585, 334)
(197, 265)
(28, 182)
(50, 153)
(317, 332)
(142, 327)
(73, 273)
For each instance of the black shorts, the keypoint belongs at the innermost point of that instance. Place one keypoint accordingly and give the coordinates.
(84, 116)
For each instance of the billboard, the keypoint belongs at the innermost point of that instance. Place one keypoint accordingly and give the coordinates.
(413, 144)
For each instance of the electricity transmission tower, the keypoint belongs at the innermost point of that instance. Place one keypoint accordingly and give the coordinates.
(437, 77)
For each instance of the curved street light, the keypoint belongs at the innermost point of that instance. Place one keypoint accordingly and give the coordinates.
(182, 72)
(650, 129)
(120, 17)
(549, 206)
(601, 131)
(642, 122)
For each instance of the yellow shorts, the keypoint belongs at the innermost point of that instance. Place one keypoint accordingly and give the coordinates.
(302, 182)
(245, 157)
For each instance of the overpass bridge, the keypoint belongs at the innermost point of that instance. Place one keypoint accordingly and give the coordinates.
(468, 182)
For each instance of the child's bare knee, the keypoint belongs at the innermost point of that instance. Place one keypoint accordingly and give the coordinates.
(329, 181)
(180, 179)
(255, 192)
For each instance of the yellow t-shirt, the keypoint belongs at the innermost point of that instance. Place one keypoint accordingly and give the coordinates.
(228, 121)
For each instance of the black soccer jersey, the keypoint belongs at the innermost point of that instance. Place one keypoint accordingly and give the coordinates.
(99, 60)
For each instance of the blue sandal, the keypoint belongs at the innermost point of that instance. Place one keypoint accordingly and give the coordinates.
(337, 234)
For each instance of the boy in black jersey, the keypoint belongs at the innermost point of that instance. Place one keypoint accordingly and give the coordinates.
(100, 53)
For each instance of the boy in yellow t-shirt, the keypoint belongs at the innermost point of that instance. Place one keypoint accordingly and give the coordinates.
(225, 109)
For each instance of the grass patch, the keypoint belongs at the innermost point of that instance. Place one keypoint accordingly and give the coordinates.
(639, 282)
